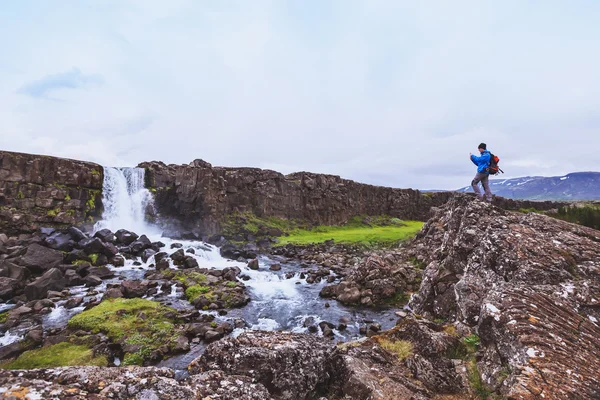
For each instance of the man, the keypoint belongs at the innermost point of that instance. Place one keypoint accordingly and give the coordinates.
(483, 174)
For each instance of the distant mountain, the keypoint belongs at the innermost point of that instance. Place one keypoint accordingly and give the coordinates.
(574, 186)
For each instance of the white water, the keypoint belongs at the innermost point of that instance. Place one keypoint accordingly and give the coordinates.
(125, 200)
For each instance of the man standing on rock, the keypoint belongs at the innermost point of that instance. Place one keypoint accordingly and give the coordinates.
(483, 175)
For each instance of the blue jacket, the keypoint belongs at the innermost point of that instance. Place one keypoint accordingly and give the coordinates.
(482, 162)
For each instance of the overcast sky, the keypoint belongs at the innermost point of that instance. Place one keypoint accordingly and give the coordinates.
(393, 93)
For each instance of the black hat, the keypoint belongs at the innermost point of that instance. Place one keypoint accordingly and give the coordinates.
(482, 146)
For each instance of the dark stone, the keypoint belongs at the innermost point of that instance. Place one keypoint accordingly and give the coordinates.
(146, 254)
(275, 267)
(39, 258)
(76, 234)
(125, 237)
(60, 241)
(253, 264)
(105, 235)
(53, 279)
(178, 257)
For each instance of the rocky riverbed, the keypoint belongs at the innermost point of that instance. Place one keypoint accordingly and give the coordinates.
(500, 304)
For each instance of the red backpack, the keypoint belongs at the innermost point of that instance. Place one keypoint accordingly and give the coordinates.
(493, 168)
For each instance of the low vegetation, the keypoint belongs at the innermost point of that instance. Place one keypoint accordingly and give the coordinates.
(367, 230)
(140, 322)
(400, 348)
(357, 231)
(58, 355)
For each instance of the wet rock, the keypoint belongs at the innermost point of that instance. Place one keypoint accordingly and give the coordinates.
(253, 264)
(176, 245)
(190, 262)
(275, 267)
(133, 289)
(146, 254)
(117, 261)
(106, 235)
(178, 257)
(74, 302)
(162, 265)
(125, 237)
(52, 279)
(92, 280)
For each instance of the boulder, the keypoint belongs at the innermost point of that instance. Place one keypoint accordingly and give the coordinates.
(7, 286)
(133, 289)
(125, 237)
(76, 234)
(253, 264)
(39, 258)
(146, 254)
(53, 279)
(91, 246)
(105, 235)
(178, 257)
(291, 366)
(13, 271)
(60, 241)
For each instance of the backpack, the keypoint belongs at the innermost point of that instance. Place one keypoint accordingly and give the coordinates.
(493, 168)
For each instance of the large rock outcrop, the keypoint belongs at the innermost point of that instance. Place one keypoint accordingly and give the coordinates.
(202, 195)
(40, 191)
(528, 284)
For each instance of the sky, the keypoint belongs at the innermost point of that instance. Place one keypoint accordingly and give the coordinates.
(394, 93)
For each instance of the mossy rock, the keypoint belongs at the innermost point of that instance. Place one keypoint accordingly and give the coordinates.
(59, 355)
(131, 321)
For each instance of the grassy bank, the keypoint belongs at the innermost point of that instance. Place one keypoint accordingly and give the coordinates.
(58, 355)
(369, 230)
(355, 234)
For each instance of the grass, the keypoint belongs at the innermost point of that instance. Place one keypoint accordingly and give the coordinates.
(121, 321)
(58, 355)
(244, 223)
(353, 234)
(401, 348)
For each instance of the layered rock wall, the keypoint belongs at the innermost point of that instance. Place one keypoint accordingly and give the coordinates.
(202, 195)
(40, 191)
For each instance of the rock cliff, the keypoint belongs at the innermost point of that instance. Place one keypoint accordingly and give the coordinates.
(528, 284)
(45, 191)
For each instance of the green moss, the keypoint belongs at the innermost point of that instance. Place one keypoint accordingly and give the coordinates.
(183, 277)
(20, 195)
(194, 291)
(95, 172)
(213, 324)
(70, 213)
(120, 320)
(231, 284)
(53, 213)
(58, 355)
(67, 197)
(3, 316)
(94, 257)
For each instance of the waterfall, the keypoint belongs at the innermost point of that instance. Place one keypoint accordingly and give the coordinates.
(125, 200)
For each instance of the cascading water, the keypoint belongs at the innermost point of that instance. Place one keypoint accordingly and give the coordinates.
(125, 200)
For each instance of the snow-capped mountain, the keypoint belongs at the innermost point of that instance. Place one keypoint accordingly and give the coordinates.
(574, 186)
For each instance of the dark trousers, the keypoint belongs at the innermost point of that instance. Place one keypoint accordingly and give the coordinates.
(485, 182)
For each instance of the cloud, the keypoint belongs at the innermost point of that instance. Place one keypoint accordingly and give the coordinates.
(72, 79)
(388, 92)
